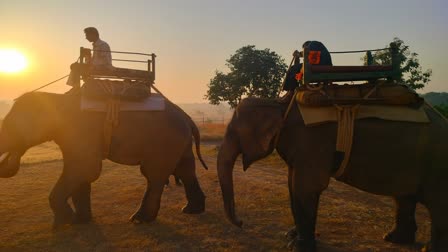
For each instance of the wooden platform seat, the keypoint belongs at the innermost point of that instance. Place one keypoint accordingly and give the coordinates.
(123, 73)
(148, 76)
(345, 69)
(327, 74)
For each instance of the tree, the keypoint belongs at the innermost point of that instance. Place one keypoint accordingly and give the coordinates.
(253, 72)
(412, 72)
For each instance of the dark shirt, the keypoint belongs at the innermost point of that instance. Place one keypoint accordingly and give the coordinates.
(291, 82)
(325, 60)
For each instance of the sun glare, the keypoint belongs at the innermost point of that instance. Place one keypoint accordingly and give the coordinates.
(11, 61)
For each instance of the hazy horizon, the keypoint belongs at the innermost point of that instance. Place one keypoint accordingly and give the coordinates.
(193, 39)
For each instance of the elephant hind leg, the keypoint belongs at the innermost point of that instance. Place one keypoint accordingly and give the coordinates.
(150, 205)
(405, 225)
(186, 172)
(439, 225)
(82, 204)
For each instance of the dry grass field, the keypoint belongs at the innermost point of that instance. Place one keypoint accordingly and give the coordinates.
(349, 220)
(212, 132)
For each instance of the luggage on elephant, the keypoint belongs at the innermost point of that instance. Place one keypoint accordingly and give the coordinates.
(367, 94)
(123, 90)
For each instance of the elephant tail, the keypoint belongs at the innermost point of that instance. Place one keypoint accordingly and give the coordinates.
(194, 131)
(197, 142)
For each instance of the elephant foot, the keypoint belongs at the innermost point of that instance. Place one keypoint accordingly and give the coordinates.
(427, 248)
(82, 219)
(435, 246)
(302, 245)
(400, 237)
(61, 220)
(291, 234)
(139, 218)
(194, 209)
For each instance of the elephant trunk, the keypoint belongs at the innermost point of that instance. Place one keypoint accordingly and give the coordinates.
(226, 160)
(9, 160)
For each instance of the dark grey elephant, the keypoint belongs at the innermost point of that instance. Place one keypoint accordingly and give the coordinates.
(159, 142)
(408, 161)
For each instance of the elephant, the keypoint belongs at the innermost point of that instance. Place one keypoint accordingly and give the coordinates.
(160, 142)
(405, 160)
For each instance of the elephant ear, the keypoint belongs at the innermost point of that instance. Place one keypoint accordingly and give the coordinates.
(266, 133)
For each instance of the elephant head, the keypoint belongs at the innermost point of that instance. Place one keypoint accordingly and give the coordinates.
(251, 132)
(29, 122)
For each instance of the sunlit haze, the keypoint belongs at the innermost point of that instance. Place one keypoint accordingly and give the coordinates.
(192, 39)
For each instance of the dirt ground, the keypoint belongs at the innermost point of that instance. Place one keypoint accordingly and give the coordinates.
(349, 220)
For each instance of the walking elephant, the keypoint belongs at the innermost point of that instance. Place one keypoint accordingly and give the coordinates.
(407, 161)
(160, 142)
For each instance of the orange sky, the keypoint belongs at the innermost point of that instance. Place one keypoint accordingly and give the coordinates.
(194, 38)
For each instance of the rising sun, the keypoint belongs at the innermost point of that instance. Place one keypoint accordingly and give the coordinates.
(12, 61)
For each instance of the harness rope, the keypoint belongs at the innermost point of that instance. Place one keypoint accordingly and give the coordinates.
(346, 116)
(344, 138)
(112, 113)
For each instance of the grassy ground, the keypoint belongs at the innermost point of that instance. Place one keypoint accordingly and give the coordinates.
(212, 131)
(349, 220)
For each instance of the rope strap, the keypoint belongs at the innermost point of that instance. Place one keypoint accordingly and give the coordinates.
(112, 114)
(344, 140)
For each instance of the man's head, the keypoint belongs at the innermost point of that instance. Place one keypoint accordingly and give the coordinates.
(92, 34)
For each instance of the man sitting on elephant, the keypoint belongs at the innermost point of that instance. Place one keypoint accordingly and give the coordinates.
(101, 59)
(319, 55)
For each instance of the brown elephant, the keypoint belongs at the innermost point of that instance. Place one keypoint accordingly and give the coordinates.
(407, 161)
(160, 142)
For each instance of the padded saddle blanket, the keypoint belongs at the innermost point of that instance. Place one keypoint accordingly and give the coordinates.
(317, 115)
(154, 102)
(124, 90)
(383, 101)
(382, 93)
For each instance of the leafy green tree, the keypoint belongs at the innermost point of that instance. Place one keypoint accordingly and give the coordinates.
(253, 72)
(412, 72)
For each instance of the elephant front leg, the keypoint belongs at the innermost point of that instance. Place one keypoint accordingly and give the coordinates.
(405, 225)
(81, 201)
(292, 233)
(307, 186)
(63, 213)
(305, 215)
